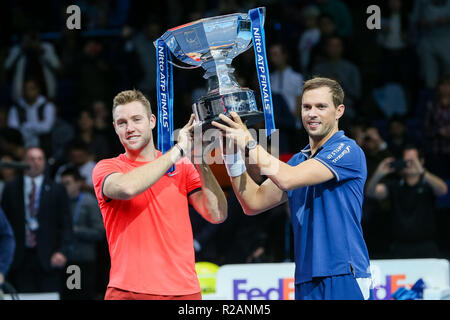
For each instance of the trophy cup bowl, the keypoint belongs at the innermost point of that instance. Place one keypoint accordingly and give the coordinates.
(213, 43)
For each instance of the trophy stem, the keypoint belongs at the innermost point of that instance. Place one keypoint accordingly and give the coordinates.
(220, 77)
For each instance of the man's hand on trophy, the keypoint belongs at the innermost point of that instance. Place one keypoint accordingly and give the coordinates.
(186, 137)
(234, 129)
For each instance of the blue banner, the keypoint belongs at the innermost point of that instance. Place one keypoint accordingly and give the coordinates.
(262, 67)
(164, 85)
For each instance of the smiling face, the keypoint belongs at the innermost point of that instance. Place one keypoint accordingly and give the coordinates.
(133, 125)
(319, 114)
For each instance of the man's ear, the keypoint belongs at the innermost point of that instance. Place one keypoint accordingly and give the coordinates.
(152, 121)
(340, 111)
(114, 125)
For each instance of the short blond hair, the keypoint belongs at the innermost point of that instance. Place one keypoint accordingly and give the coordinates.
(337, 93)
(129, 96)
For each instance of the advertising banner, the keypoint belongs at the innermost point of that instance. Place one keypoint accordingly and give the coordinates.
(275, 281)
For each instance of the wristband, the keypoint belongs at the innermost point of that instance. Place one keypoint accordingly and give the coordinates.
(235, 164)
(180, 148)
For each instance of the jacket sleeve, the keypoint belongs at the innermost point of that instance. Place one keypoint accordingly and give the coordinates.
(7, 244)
(64, 220)
(94, 230)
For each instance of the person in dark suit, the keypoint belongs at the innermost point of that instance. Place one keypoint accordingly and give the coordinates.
(38, 210)
(88, 230)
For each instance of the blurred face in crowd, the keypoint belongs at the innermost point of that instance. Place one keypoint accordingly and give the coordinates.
(396, 129)
(73, 186)
(409, 156)
(372, 141)
(326, 26)
(85, 121)
(335, 48)
(278, 57)
(100, 109)
(7, 174)
(35, 158)
(319, 114)
(133, 125)
(31, 91)
(78, 156)
(358, 134)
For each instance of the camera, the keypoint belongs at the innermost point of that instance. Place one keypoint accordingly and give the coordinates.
(398, 164)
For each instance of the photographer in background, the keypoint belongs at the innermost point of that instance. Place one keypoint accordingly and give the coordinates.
(412, 199)
(33, 58)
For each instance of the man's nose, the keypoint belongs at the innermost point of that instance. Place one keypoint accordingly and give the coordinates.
(130, 128)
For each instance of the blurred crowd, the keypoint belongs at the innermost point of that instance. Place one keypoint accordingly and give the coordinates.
(56, 91)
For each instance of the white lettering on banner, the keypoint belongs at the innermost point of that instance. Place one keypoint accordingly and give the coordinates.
(162, 85)
(262, 69)
(339, 157)
(164, 110)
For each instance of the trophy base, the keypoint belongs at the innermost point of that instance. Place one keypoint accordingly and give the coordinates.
(241, 101)
(249, 118)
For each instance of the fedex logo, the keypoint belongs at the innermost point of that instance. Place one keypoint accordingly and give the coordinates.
(393, 283)
(284, 290)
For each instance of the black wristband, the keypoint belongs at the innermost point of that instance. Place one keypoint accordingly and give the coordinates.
(180, 148)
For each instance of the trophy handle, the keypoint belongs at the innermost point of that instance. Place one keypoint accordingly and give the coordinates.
(184, 67)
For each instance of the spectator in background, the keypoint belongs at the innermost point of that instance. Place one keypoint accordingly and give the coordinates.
(96, 141)
(33, 58)
(141, 44)
(95, 77)
(88, 229)
(412, 199)
(437, 128)
(399, 136)
(343, 71)
(284, 80)
(60, 136)
(33, 115)
(11, 142)
(432, 19)
(375, 149)
(7, 174)
(102, 125)
(81, 159)
(340, 13)
(7, 246)
(38, 211)
(309, 38)
(102, 118)
(393, 39)
(327, 29)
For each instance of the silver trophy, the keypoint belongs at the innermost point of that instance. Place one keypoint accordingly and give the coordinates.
(213, 43)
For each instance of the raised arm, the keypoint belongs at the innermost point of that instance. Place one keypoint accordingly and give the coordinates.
(375, 189)
(211, 202)
(282, 177)
(256, 198)
(125, 186)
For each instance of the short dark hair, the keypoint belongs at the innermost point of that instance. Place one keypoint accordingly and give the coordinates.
(72, 172)
(336, 90)
(412, 146)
